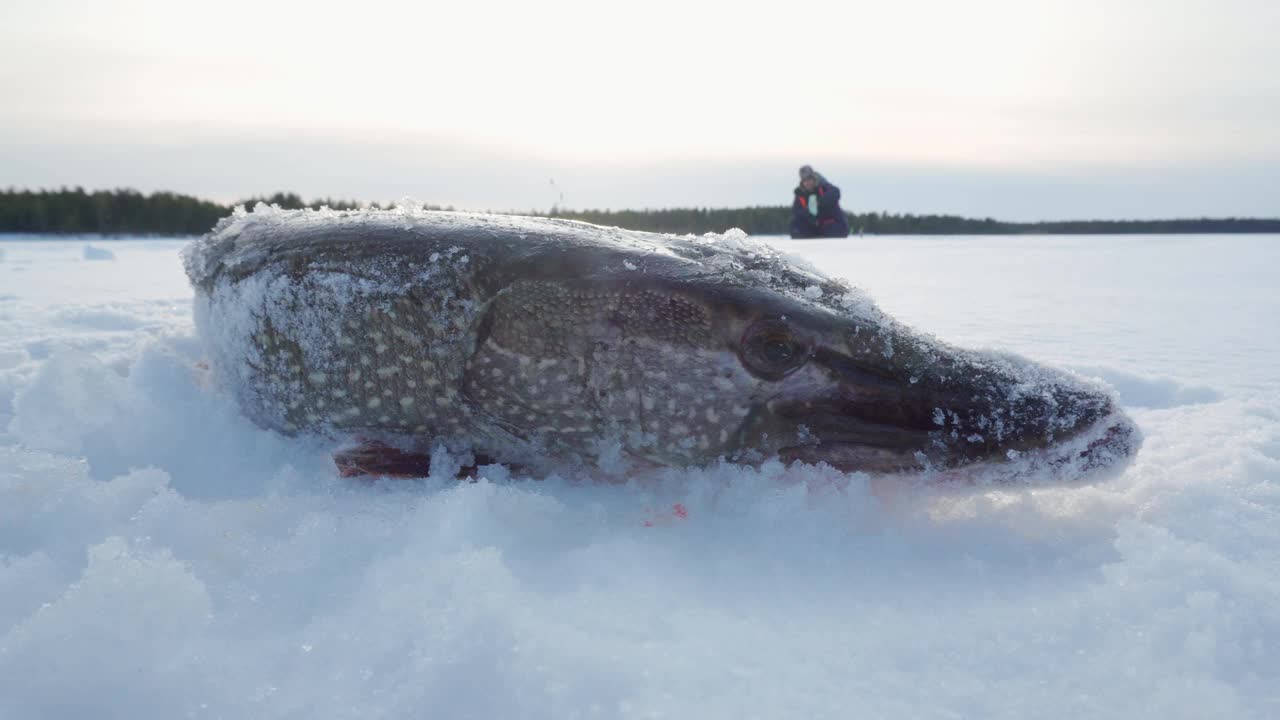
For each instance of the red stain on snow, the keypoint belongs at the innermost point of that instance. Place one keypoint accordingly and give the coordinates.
(678, 512)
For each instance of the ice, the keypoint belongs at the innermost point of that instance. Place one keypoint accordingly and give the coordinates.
(92, 252)
(161, 556)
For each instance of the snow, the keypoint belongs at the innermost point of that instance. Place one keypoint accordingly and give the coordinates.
(160, 556)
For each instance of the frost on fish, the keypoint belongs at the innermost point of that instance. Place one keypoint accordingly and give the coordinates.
(334, 343)
(537, 337)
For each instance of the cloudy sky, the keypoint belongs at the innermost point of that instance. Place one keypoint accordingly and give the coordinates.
(1016, 109)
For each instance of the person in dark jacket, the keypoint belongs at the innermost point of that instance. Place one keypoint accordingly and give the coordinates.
(816, 210)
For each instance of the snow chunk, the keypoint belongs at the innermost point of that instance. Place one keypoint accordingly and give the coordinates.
(96, 253)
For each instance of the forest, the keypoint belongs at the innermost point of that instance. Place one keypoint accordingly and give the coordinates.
(129, 212)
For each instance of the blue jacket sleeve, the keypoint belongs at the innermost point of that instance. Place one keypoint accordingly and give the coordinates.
(798, 211)
(830, 196)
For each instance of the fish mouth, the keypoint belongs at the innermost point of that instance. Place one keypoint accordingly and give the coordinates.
(1007, 421)
(853, 457)
(1101, 446)
(1107, 443)
(1098, 451)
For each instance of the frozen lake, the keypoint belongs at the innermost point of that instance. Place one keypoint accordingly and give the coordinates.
(162, 557)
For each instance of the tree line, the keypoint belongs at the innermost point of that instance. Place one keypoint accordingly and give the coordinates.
(125, 211)
(775, 220)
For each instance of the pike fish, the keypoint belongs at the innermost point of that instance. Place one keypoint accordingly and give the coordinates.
(536, 341)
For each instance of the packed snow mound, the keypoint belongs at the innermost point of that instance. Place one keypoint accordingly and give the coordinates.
(228, 576)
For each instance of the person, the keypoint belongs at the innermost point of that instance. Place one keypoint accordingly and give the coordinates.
(816, 212)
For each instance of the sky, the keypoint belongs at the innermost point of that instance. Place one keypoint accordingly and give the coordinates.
(1004, 108)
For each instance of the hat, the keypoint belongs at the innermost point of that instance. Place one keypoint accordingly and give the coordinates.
(807, 172)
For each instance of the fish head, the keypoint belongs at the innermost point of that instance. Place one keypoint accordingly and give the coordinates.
(862, 392)
(741, 352)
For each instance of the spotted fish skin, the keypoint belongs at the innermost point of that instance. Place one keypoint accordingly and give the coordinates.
(311, 338)
(534, 339)
(487, 330)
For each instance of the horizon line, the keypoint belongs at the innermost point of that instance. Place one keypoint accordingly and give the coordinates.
(554, 209)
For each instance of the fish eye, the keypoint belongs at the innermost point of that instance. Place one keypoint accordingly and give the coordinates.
(771, 350)
(779, 350)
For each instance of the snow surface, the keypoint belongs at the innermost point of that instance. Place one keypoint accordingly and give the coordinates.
(160, 556)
